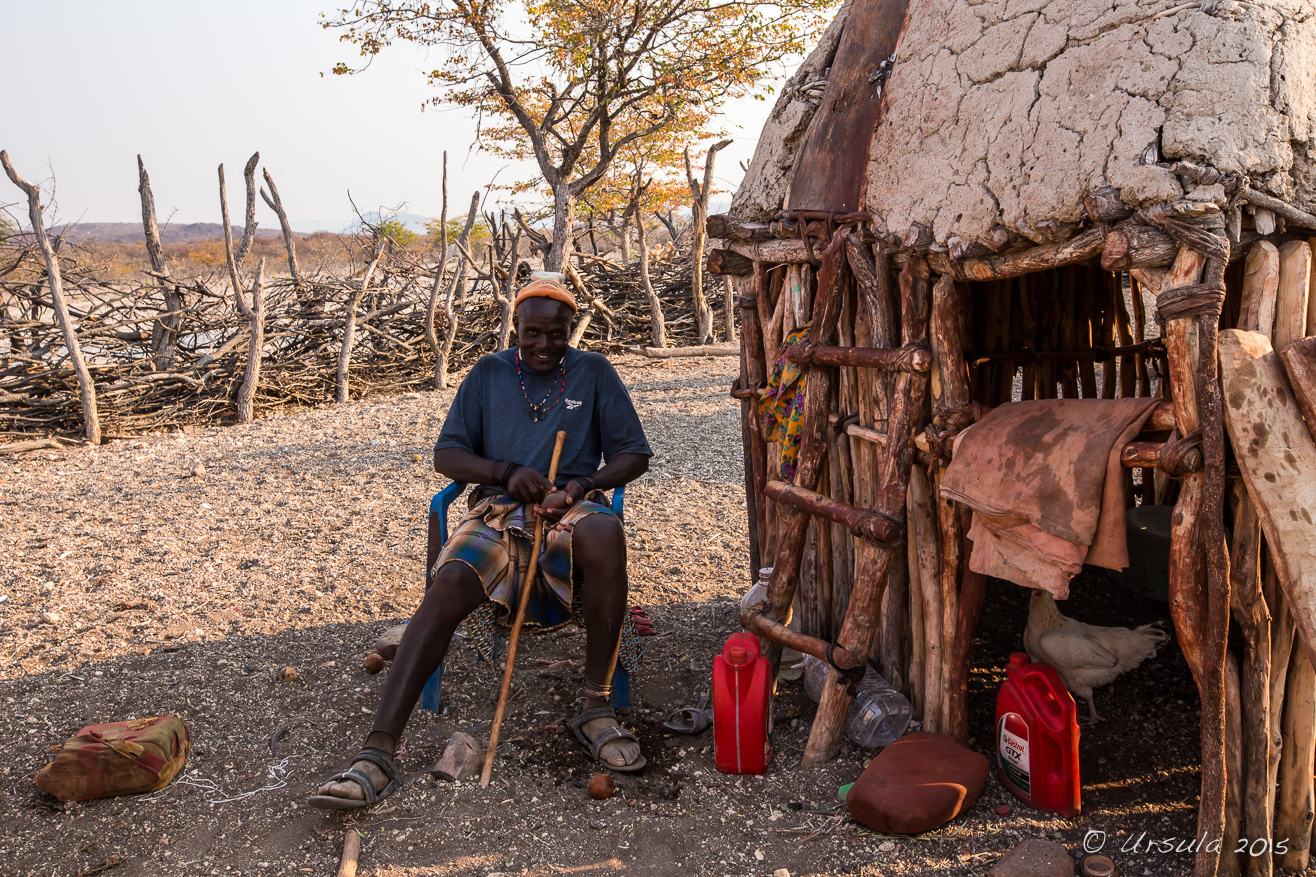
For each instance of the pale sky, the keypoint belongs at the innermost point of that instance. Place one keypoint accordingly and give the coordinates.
(190, 84)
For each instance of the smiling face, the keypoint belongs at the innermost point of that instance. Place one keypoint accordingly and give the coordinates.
(543, 326)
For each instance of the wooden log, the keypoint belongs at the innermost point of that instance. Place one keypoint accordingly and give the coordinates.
(1311, 295)
(1263, 202)
(1191, 546)
(864, 523)
(777, 252)
(761, 624)
(1221, 697)
(1133, 245)
(753, 374)
(915, 357)
(1299, 360)
(1282, 636)
(924, 553)
(973, 589)
(1079, 249)
(1291, 300)
(918, 645)
(1104, 205)
(347, 864)
(729, 263)
(694, 350)
(895, 617)
(1231, 863)
(1149, 455)
(728, 227)
(1260, 288)
(1294, 804)
(860, 624)
(949, 403)
(32, 445)
(893, 623)
(1249, 606)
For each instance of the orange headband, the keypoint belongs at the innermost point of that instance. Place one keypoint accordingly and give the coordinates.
(545, 287)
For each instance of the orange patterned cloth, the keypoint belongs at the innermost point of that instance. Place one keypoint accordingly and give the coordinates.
(782, 409)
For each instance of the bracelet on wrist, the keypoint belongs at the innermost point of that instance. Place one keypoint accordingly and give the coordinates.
(508, 472)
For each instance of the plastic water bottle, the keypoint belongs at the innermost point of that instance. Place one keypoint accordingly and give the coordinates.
(757, 596)
(879, 715)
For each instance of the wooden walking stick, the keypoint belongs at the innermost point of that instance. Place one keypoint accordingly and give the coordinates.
(522, 599)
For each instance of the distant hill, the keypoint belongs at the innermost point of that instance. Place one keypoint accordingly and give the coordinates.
(131, 232)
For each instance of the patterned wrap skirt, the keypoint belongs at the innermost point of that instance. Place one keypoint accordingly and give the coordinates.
(495, 539)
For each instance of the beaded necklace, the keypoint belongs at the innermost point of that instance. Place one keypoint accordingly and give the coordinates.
(539, 410)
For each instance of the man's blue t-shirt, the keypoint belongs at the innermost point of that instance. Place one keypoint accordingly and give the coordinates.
(491, 418)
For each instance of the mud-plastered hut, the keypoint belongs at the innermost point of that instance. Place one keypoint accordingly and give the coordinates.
(959, 206)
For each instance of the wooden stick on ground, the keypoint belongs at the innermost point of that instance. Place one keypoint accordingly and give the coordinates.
(351, 853)
(514, 637)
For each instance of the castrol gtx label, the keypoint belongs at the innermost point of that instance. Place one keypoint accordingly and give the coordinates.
(1012, 750)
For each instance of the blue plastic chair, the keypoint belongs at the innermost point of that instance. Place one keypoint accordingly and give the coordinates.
(436, 535)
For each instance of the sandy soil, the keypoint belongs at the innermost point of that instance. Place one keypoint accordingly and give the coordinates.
(133, 587)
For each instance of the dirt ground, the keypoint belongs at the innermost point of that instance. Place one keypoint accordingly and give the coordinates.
(133, 587)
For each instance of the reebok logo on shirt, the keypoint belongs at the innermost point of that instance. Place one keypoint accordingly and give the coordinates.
(573, 404)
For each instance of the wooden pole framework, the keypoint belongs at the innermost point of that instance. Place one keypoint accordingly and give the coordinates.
(865, 523)
(1171, 248)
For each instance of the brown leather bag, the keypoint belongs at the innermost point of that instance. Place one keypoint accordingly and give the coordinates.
(117, 758)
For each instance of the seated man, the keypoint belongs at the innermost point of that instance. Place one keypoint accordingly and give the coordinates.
(499, 434)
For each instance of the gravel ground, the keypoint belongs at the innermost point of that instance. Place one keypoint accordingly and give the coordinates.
(133, 586)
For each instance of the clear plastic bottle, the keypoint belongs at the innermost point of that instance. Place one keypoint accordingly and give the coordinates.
(758, 595)
(879, 715)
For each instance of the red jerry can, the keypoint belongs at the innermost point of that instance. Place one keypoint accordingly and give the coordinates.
(742, 707)
(1037, 737)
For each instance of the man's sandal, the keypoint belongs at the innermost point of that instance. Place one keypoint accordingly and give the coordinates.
(380, 759)
(606, 736)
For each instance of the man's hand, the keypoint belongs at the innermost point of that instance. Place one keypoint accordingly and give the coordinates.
(555, 505)
(527, 485)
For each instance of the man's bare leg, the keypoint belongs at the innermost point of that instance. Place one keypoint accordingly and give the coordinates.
(455, 593)
(599, 549)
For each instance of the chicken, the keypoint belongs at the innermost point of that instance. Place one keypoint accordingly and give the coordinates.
(1085, 656)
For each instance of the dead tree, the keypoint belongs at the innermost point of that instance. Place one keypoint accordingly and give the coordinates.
(276, 204)
(432, 307)
(657, 324)
(619, 223)
(669, 222)
(255, 311)
(507, 294)
(86, 386)
(249, 220)
(164, 331)
(349, 321)
(699, 207)
(456, 291)
(538, 240)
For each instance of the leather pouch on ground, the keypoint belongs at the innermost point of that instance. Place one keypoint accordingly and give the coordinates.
(117, 758)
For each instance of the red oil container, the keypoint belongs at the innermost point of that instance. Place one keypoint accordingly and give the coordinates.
(742, 711)
(1037, 737)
